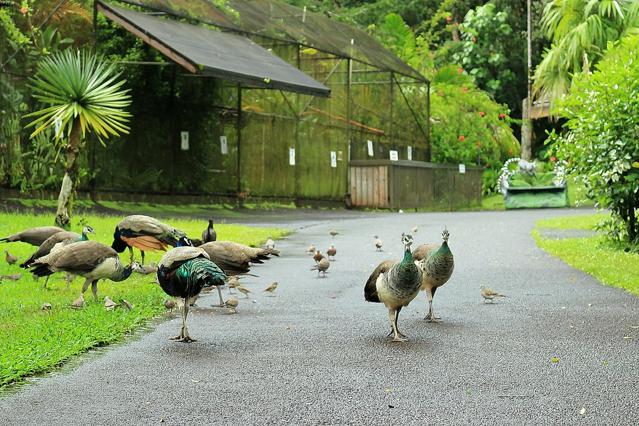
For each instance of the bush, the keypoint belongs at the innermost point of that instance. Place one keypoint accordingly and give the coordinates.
(602, 141)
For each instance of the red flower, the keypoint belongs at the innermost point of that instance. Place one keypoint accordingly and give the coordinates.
(461, 138)
(449, 18)
(24, 10)
(502, 116)
(460, 70)
(553, 159)
(482, 113)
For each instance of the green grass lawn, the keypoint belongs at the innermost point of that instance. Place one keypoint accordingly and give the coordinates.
(593, 255)
(33, 340)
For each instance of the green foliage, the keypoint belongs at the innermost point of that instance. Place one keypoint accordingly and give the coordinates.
(524, 180)
(602, 144)
(33, 340)
(79, 86)
(580, 31)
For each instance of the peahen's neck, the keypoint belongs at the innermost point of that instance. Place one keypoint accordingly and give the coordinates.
(443, 249)
(84, 236)
(121, 272)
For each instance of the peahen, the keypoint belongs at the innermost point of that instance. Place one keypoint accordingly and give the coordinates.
(183, 272)
(90, 259)
(395, 284)
(437, 263)
(33, 236)
(252, 254)
(209, 233)
(144, 233)
(55, 242)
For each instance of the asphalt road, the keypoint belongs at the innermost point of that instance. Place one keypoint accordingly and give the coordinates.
(317, 353)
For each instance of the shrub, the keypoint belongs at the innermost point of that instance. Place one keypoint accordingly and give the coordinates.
(602, 141)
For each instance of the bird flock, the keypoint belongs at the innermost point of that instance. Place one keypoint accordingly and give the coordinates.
(191, 266)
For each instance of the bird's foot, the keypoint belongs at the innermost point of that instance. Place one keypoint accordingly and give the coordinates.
(431, 318)
(400, 334)
(218, 306)
(187, 339)
(400, 338)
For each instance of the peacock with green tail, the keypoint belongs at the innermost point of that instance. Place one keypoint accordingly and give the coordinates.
(395, 284)
(436, 263)
(183, 272)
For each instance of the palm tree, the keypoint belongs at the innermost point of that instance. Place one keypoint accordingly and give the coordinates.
(83, 94)
(579, 31)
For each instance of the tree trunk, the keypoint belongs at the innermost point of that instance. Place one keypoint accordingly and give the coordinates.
(70, 181)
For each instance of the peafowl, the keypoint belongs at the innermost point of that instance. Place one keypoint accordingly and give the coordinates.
(252, 254)
(144, 233)
(55, 242)
(209, 234)
(395, 284)
(33, 236)
(321, 266)
(331, 252)
(437, 263)
(183, 272)
(90, 259)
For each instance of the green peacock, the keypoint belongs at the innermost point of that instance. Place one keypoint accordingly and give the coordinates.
(395, 284)
(436, 263)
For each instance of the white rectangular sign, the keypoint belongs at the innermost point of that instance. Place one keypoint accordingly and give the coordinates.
(224, 146)
(462, 168)
(291, 156)
(184, 136)
(370, 148)
(393, 155)
(409, 153)
(333, 159)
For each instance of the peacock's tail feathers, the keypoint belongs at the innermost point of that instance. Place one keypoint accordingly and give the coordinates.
(201, 272)
(145, 243)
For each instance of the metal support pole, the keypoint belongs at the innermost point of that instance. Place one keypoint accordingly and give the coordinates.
(239, 139)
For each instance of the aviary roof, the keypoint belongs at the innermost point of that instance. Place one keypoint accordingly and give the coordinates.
(214, 53)
(275, 19)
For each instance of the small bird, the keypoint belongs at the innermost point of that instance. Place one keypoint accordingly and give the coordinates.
(436, 263)
(232, 304)
(395, 284)
(377, 243)
(415, 229)
(245, 291)
(233, 282)
(11, 259)
(270, 244)
(169, 304)
(333, 232)
(109, 304)
(318, 256)
(209, 234)
(331, 252)
(489, 294)
(126, 304)
(152, 268)
(321, 267)
(78, 303)
(46, 306)
(311, 249)
(271, 288)
(12, 277)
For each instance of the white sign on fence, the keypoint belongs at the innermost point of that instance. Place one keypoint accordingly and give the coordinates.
(184, 136)
(370, 148)
(224, 146)
(394, 156)
(333, 159)
(462, 168)
(409, 153)
(291, 156)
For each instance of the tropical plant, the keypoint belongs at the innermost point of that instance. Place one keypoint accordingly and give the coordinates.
(82, 94)
(579, 31)
(602, 143)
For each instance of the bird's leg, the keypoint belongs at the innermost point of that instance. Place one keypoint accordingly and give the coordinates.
(396, 318)
(142, 253)
(69, 280)
(392, 316)
(46, 280)
(131, 255)
(85, 286)
(181, 335)
(185, 331)
(94, 289)
(219, 293)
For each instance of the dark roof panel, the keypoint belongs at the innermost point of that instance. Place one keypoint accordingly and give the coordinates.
(215, 53)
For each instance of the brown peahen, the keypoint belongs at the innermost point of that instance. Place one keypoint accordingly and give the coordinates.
(437, 263)
(395, 284)
(209, 234)
(34, 236)
(144, 233)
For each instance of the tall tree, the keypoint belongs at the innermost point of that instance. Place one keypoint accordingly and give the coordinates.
(83, 94)
(579, 31)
